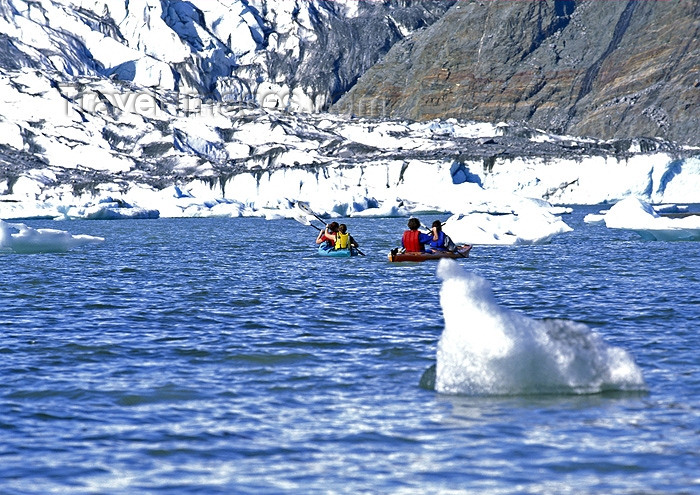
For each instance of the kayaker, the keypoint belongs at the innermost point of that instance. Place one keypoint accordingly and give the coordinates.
(439, 240)
(413, 239)
(343, 240)
(328, 235)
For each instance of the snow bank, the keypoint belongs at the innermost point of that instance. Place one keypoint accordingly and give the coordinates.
(486, 349)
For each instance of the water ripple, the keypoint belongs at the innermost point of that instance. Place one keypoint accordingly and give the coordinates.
(204, 366)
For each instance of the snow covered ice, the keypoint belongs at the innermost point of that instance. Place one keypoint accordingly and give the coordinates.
(639, 216)
(109, 132)
(22, 239)
(487, 349)
(68, 164)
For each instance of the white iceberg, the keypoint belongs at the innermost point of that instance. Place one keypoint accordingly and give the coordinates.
(20, 238)
(530, 222)
(639, 216)
(107, 209)
(486, 349)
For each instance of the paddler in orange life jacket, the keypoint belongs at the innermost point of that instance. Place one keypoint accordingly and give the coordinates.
(413, 239)
(343, 240)
(328, 236)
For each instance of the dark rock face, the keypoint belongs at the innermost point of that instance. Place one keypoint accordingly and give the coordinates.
(597, 68)
(346, 48)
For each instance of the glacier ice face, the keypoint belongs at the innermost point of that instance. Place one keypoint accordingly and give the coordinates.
(73, 132)
(70, 145)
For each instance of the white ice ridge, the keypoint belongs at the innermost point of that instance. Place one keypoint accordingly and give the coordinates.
(19, 238)
(486, 349)
(639, 216)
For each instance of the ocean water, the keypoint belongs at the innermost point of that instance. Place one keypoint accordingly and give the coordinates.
(224, 356)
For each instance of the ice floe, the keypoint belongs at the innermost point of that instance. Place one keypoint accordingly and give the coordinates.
(487, 349)
(22, 239)
(639, 216)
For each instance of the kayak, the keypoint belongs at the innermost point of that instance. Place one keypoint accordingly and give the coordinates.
(395, 256)
(337, 253)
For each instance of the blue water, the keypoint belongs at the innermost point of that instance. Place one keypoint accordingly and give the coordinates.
(182, 356)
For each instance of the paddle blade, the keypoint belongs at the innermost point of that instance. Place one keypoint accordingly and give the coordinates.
(305, 208)
(303, 219)
(308, 211)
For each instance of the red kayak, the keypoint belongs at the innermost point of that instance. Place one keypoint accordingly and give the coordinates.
(396, 256)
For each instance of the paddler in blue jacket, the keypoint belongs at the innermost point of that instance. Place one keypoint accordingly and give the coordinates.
(439, 240)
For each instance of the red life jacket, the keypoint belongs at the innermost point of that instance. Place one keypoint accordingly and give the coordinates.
(411, 243)
(330, 243)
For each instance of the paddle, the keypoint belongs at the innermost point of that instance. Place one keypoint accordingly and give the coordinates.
(305, 208)
(305, 221)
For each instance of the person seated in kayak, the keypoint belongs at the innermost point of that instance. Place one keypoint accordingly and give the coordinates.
(413, 239)
(343, 240)
(327, 236)
(439, 240)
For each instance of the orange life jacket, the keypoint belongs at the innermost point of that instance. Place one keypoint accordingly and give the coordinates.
(411, 243)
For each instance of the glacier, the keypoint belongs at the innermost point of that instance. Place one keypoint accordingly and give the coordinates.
(299, 54)
(70, 150)
(145, 109)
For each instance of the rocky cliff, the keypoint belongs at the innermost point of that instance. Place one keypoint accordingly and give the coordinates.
(598, 68)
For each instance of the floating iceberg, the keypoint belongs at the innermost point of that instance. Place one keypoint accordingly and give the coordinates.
(486, 349)
(19, 238)
(639, 216)
(533, 222)
(108, 209)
